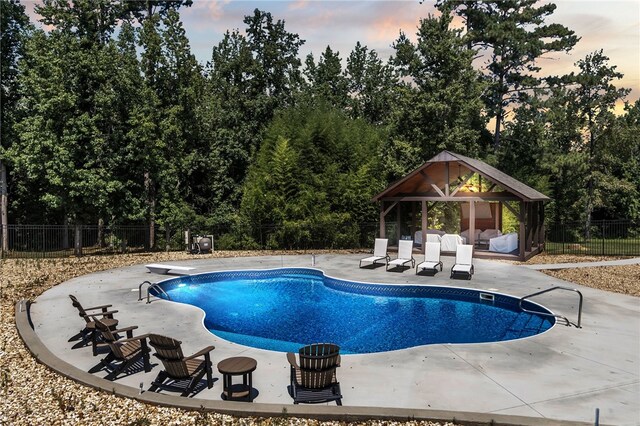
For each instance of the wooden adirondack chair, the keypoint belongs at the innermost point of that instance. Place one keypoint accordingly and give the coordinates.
(314, 379)
(89, 331)
(125, 351)
(178, 368)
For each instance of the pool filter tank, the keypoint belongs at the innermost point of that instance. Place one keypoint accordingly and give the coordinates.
(201, 244)
(205, 244)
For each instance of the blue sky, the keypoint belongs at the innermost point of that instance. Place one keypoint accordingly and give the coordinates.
(612, 25)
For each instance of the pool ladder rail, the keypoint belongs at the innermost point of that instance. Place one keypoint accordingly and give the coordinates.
(151, 286)
(577, 325)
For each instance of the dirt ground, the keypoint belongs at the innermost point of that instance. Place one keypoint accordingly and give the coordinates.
(31, 394)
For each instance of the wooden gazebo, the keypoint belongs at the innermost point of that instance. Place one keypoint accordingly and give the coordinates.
(447, 177)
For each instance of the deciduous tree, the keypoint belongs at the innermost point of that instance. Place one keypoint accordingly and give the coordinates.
(14, 30)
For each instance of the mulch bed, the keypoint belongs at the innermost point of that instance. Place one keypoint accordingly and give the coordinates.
(31, 394)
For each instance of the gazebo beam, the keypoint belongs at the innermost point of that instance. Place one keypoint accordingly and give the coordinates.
(383, 213)
(477, 196)
(386, 212)
(438, 190)
(512, 210)
(461, 184)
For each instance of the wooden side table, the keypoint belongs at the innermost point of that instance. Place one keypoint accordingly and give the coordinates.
(237, 366)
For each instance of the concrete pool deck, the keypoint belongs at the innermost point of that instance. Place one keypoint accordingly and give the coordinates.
(565, 373)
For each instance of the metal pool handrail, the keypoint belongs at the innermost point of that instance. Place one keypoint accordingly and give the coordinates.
(553, 315)
(151, 285)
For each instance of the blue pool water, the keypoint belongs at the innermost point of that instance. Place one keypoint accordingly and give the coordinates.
(284, 309)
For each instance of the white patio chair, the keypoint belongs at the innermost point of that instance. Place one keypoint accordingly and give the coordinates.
(434, 238)
(431, 238)
(379, 252)
(431, 258)
(405, 254)
(464, 261)
(450, 242)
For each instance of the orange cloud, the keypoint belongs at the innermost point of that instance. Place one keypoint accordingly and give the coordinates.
(389, 18)
(299, 4)
(205, 11)
(29, 7)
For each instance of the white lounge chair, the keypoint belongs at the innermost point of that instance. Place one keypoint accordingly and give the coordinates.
(405, 254)
(431, 258)
(464, 261)
(379, 252)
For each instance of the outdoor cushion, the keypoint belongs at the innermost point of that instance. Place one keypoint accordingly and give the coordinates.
(450, 242)
(504, 244)
(487, 234)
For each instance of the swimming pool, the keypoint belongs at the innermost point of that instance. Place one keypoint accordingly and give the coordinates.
(283, 309)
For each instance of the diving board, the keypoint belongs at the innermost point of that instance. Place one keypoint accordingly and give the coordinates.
(159, 268)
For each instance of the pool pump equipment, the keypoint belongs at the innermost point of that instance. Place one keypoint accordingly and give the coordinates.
(199, 244)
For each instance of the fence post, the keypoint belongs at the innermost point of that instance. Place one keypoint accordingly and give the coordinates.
(602, 231)
(562, 238)
(44, 238)
(78, 241)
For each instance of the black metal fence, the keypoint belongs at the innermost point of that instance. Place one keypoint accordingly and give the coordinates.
(51, 241)
(605, 238)
(42, 241)
(602, 238)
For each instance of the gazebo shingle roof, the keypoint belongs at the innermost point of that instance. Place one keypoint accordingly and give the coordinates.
(492, 174)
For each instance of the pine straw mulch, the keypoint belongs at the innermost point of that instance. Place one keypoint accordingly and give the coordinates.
(624, 279)
(31, 394)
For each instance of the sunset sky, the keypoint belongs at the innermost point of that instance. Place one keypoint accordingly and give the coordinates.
(611, 25)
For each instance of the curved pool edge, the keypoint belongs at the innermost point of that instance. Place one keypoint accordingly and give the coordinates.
(387, 286)
(241, 409)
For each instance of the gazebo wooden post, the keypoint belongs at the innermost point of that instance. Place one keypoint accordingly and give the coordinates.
(534, 220)
(522, 234)
(472, 223)
(414, 219)
(529, 227)
(383, 226)
(398, 222)
(424, 225)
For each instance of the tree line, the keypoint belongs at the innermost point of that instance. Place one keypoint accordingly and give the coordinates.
(108, 118)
